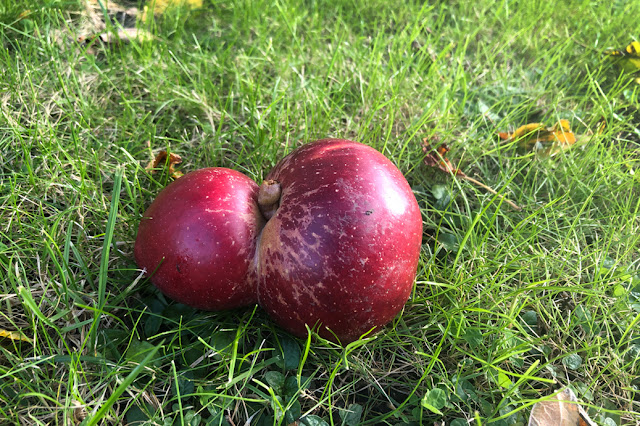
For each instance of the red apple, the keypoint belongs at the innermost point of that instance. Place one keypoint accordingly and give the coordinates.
(198, 238)
(341, 249)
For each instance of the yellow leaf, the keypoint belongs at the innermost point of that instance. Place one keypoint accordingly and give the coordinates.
(13, 335)
(545, 141)
(628, 59)
(522, 131)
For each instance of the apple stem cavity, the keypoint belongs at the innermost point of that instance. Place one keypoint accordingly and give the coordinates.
(269, 197)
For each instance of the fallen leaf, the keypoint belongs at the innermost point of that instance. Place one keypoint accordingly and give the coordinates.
(521, 131)
(161, 159)
(436, 158)
(116, 12)
(628, 59)
(544, 141)
(106, 23)
(13, 335)
(560, 410)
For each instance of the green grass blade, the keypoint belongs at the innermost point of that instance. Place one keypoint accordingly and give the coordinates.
(106, 247)
(99, 415)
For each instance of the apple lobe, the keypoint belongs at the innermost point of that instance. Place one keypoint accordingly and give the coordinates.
(341, 251)
(198, 239)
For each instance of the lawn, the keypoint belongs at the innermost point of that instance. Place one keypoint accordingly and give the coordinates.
(509, 305)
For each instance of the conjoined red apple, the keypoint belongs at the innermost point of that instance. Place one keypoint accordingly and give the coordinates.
(338, 253)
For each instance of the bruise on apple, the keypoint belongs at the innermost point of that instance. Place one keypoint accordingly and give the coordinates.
(341, 250)
(198, 239)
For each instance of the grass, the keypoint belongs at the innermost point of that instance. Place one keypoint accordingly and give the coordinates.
(508, 305)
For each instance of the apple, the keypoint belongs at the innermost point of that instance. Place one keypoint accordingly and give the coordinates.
(197, 240)
(340, 249)
(329, 241)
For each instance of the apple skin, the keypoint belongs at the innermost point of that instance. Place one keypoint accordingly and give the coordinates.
(340, 253)
(198, 239)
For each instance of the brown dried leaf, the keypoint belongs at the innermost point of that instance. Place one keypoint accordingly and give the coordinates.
(561, 410)
(161, 159)
(438, 158)
(95, 26)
